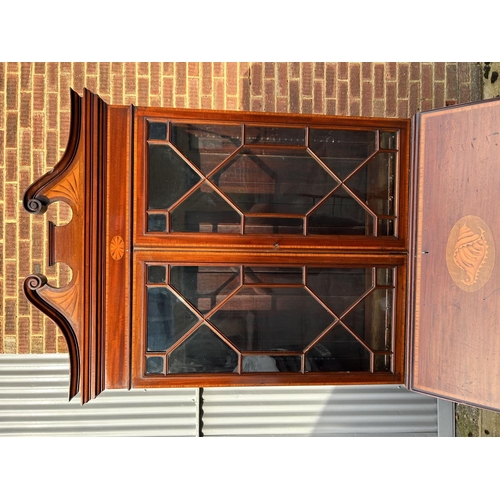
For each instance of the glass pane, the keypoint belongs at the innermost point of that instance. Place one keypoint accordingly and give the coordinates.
(337, 351)
(274, 225)
(374, 183)
(340, 214)
(385, 276)
(386, 227)
(204, 211)
(342, 150)
(157, 222)
(169, 176)
(382, 363)
(203, 352)
(168, 319)
(388, 140)
(157, 274)
(339, 288)
(206, 145)
(269, 275)
(271, 364)
(204, 287)
(275, 135)
(264, 319)
(154, 364)
(371, 320)
(157, 131)
(274, 181)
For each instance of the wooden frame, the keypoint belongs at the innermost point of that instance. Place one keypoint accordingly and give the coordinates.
(102, 177)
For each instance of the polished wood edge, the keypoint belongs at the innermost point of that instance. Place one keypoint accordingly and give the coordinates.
(33, 287)
(34, 200)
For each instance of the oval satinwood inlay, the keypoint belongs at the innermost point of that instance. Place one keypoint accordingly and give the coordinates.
(117, 248)
(470, 253)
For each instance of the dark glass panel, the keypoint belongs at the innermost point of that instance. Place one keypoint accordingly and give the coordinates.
(203, 352)
(275, 135)
(388, 140)
(271, 364)
(340, 214)
(382, 363)
(157, 131)
(385, 276)
(157, 222)
(337, 351)
(206, 145)
(204, 211)
(386, 227)
(264, 319)
(374, 183)
(339, 288)
(371, 319)
(157, 274)
(168, 319)
(169, 176)
(154, 364)
(204, 287)
(269, 275)
(342, 150)
(274, 181)
(275, 225)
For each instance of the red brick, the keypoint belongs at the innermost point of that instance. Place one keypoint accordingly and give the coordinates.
(1, 240)
(37, 240)
(26, 73)
(282, 86)
(38, 93)
(194, 69)
(2, 107)
(38, 133)
(11, 94)
(10, 235)
(402, 108)
(36, 320)
(367, 99)
(307, 78)
(116, 89)
(2, 73)
(52, 111)
(354, 107)
(206, 78)
(25, 110)
(378, 107)
(319, 70)
(155, 101)
(294, 93)
(232, 79)
(194, 93)
(426, 81)
(180, 101)
(24, 221)
(269, 70)
(463, 72)
(439, 70)
(52, 77)
(62, 346)
(51, 148)
(180, 79)
(206, 102)
(218, 93)
(2, 150)
(130, 79)
(244, 94)
(244, 69)
(331, 107)
(342, 98)
(167, 91)
(330, 80)
(390, 100)
(367, 70)
(168, 69)
(38, 165)
(218, 68)
(379, 71)
(64, 94)
(318, 97)
(451, 81)
(269, 96)
(414, 71)
(11, 139)
(142, 92)
(91, 83)
(282, 104)
(307, 106)
(403, 74)
(11, 165)
(50, 342)
(391, 71)
(78, 76)
(256, 79)
(256, 104)
(231, 103)
(25, 156)
(354, 80)
(142, 68)
(65, 67)
(464, 93)
(294, 69)
(10, 277)
(343, 70)
(425, 104)
(155, 78)
(39, 68)
(439, 99)
(414, 98)
(23, 335)
(64, 122)
(10, 316)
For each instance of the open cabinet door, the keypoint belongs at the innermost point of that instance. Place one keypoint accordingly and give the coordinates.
(454, 292)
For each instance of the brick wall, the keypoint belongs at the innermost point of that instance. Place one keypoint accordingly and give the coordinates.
(34, 121)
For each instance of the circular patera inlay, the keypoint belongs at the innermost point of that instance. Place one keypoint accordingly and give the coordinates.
(470, 253)
(117, 248)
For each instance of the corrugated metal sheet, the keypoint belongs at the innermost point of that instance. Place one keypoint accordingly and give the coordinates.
(383, 410)
(34, 401)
